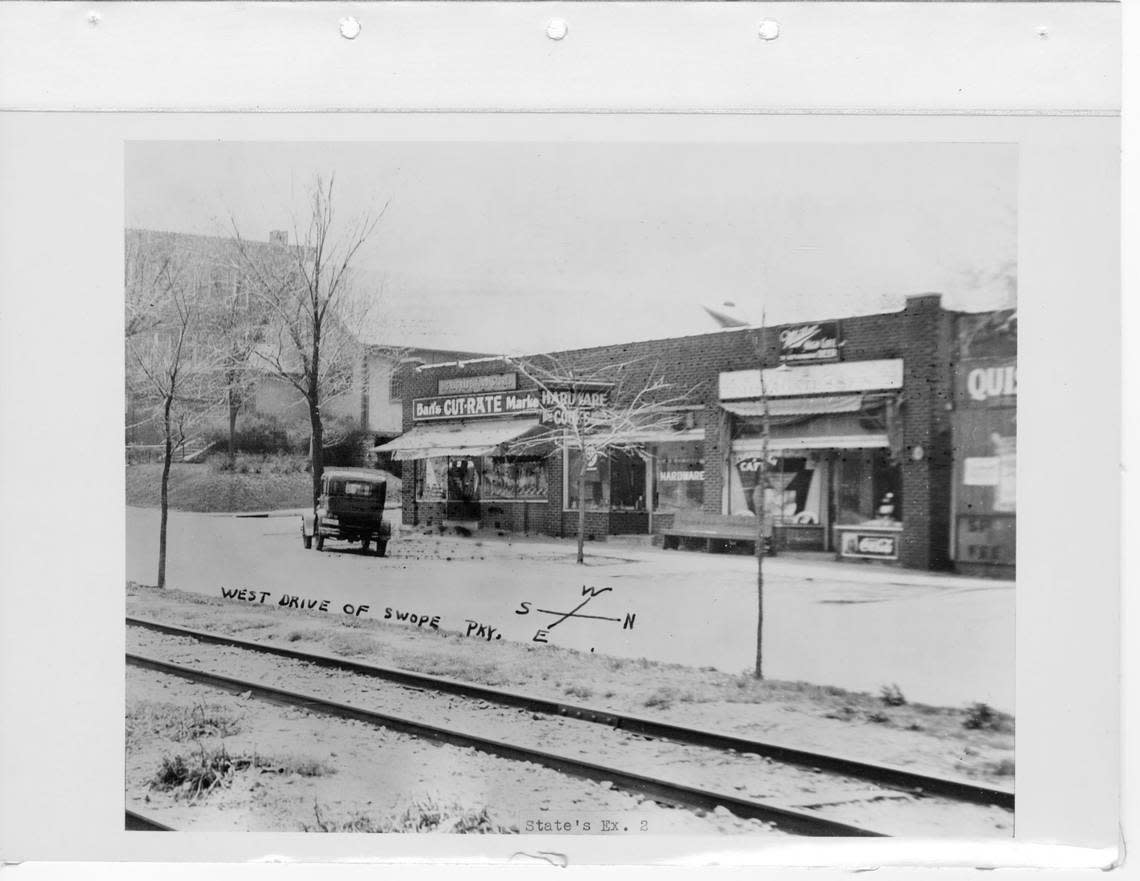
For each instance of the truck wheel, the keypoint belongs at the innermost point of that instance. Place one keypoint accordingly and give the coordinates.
(364, 544)
(381, 547)
(320, 542)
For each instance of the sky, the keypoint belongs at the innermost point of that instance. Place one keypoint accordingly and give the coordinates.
(526, 247)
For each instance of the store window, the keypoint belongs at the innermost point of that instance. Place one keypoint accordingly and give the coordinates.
(868, 487)
(794, 489)
(613, 483)
(514, 478)
(678, 477)
(431, 479)
(597, 497)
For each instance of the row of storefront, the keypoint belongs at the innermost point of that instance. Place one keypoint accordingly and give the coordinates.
(889, 437)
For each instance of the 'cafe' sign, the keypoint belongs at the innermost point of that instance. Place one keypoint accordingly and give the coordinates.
(810, 342)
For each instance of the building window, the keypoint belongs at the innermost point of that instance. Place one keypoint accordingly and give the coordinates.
(431, 483)
(395, 386)
(597, 496)
(506, 477)
(613, 483)
(678, 477)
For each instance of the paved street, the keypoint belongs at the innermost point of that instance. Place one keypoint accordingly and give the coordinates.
(943, 640)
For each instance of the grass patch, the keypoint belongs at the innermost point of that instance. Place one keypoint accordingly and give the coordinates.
(892, 695)
(421, 816)
(346, 644)
(983, 717)
(266, 486)
(578, 691)
(179, 722)
(197, 776)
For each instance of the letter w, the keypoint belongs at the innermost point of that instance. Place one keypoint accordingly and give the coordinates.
(593, 591)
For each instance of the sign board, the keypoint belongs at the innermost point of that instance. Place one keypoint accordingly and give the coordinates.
(810, 342)
(813, 379)
(986, 539)
(475, 406)
(571, 407)
(870, 545)
(552, 407)
(981, 471)
(987, 383)
(467, 385)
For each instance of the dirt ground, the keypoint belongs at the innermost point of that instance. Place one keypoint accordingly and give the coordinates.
(960, 742)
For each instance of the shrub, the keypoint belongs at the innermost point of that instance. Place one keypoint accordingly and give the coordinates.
(256, 434)
(892, 695)
(983, 717)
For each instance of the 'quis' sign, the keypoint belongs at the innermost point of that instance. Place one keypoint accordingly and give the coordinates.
(810, 342)
(989, 383)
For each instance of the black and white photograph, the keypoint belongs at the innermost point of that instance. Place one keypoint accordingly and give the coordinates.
(602, 488)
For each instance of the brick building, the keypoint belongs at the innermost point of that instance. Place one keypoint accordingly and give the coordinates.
(863, 429)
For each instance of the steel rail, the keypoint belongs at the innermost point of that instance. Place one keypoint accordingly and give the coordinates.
(795, 822)
(136, 822)
(895, 778)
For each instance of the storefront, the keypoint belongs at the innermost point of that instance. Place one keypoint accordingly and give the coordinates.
(459, 448)
(985, 442)
(877, 446)
(832, 478)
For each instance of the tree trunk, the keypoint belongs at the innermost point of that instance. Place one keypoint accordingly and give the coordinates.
(167, 457)
(234, 404)
(582, 508)
(758, 504)
(317, 435)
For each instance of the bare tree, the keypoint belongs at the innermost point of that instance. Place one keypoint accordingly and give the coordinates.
(172, 368)
(759, 500)
(239, 329)
(595, 411)
(304, 293)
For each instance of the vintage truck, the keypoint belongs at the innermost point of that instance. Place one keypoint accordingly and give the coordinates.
(350, 508)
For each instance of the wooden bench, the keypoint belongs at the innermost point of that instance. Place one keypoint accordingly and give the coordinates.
(718, 531)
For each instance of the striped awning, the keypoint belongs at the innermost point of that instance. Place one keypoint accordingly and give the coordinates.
(456, 439)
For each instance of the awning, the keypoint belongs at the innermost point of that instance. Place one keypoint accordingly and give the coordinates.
(457, 439)
(667, 435)
(784, 407)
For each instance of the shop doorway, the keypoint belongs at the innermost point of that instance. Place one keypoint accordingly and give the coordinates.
(462, 489)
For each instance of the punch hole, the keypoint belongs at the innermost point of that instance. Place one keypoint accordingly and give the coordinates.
(93, 17)
(1043, 32)
(768, 29)
(556, 28)
(349, 28)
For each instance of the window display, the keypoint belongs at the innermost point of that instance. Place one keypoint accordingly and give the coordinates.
(431, 479)
(597, 482)
(514, 478)
(678, 477)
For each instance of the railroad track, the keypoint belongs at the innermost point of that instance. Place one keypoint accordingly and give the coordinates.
(656, 788)
(954, 789)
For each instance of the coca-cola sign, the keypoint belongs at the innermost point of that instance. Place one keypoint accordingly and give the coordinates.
(810, 342)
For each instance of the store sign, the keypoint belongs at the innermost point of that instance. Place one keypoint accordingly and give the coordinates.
(813, 379)
(467, 385)
(476, 406)
(987, 539)
(981, 471)
(990, 383)
(571, 408)
(869, 544)
(810, 342)
(680, 476)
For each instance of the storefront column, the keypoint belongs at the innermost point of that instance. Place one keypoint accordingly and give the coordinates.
(925, 451)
